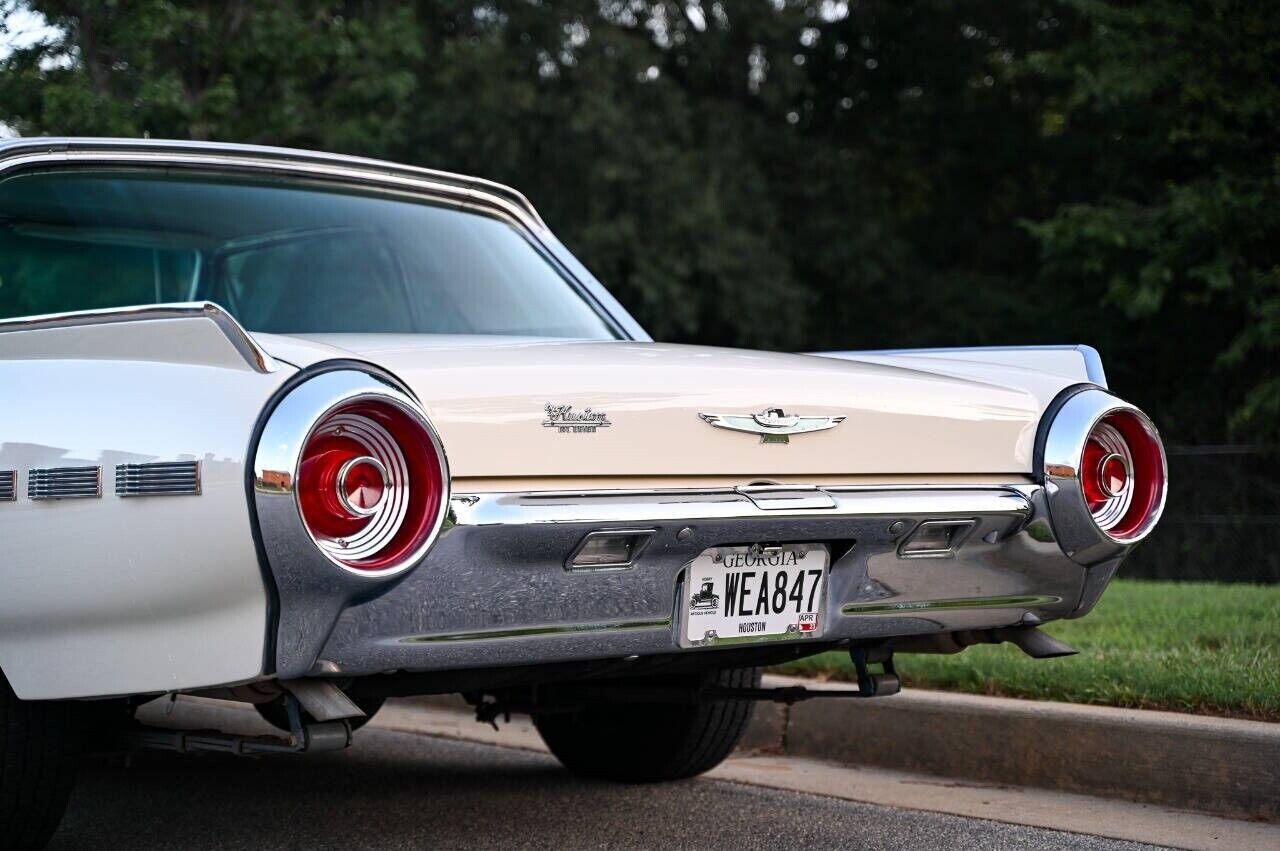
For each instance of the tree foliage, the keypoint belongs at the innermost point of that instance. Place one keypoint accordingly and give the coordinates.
(1174, 106)
(832, 174)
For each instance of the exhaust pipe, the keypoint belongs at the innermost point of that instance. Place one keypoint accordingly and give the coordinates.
(1033, 642)
(1028, 639)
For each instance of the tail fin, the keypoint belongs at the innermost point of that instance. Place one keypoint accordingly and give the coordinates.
(192, 332)
(1080, 362)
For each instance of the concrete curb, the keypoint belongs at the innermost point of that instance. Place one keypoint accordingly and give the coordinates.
(1212, 765)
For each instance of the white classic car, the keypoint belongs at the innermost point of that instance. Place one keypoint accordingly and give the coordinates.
(310, 431)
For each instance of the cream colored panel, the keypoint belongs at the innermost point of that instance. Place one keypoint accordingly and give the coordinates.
(487, 399)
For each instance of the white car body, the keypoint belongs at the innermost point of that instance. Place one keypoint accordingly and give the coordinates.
(114, 596)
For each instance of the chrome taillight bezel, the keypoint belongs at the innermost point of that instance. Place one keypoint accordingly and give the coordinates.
(279, 455)
(1061, 453)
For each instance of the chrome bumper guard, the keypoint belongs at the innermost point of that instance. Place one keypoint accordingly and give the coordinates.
(495, 591)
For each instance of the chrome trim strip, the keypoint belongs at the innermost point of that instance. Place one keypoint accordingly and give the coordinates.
(245, 345)
(643, 506)
(8, 485)
(64, 483)
(536, 631)
(944, 605)
(161, 478)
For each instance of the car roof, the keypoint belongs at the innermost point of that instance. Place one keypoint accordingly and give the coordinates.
(140, 151)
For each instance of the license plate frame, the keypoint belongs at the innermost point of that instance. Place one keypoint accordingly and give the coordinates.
(699, 625)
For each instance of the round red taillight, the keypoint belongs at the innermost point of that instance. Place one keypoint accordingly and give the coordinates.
(371, 484)
(1122, 473)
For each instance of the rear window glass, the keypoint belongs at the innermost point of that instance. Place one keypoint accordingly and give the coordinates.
(281, 256)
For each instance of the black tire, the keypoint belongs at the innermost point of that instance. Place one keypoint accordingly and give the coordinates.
(39, 746)
(275, 713)
(647, 743)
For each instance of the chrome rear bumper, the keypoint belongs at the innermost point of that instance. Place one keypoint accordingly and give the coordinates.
(494, 590)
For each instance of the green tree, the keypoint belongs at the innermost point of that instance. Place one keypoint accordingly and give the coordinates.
(794, 174)
(327, 74)
(1173, 111)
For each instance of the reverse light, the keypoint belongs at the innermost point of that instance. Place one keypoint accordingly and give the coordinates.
(371, 484)
(935, 538)
(609, 550)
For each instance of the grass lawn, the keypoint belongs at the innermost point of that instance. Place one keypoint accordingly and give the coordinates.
(1183, 646)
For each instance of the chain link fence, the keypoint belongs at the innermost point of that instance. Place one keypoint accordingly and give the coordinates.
(1224, 505)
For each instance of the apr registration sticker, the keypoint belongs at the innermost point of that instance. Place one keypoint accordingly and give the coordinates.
(745, 594)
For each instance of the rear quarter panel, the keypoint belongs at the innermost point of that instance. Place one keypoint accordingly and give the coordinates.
(114, 595)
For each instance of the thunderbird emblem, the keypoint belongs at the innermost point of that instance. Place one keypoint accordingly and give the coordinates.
(774, 425)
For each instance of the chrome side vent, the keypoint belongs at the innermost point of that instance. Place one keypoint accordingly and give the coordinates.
(8, 485)
(64, 483)
(165, 478)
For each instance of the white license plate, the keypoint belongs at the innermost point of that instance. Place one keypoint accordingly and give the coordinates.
(743, 594)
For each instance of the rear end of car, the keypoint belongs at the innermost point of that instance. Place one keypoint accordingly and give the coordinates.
(677, 575)
(443, 459)
(626, 612)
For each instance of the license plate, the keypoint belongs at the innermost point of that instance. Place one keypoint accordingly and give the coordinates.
(747, 594)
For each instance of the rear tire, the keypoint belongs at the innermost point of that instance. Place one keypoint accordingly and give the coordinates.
(39, 746)
(646, 743)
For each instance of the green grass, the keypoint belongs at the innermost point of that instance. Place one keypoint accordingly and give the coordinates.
(1183, 646)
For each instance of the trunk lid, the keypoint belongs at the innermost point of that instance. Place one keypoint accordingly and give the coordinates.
(531, 408)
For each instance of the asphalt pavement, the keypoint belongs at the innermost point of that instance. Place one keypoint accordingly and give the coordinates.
(403, 790)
